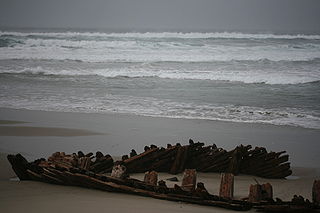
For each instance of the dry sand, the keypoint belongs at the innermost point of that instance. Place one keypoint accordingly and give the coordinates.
(30, 196)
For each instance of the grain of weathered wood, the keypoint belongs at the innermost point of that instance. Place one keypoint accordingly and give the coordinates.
(316, 192)
(189, 179)
(255, 193)
(226, 185)
(151, 178)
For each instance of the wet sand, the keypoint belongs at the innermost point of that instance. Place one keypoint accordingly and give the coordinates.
(117, 134)
(43, 131)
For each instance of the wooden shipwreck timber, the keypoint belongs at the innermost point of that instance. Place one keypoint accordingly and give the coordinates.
(101, 172)
(243, 159)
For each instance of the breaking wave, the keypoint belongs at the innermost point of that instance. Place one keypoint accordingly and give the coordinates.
(153, 47)
(235, 35)
(263, 71)
(166, 108)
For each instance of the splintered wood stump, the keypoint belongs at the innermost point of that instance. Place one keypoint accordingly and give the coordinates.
(119, 171)
(266, 191)
(189, 179)
(255, 194)
(226, 185)
(316, 192)
(151, 178)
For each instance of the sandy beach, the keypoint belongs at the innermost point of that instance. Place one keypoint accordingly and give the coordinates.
(42, 133)
(117, 134)
(230, 86)
(30, 196)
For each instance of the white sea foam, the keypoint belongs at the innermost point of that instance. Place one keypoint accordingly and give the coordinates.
(236, 35)
(153, 47)
(244, 76)
(166, 108)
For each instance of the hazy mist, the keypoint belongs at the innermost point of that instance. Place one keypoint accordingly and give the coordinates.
(189, 15)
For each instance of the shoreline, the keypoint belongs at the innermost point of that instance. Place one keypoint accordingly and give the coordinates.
(119, 133)
(121, 114)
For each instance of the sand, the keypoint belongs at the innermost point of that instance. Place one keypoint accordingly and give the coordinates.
(117, 134)
(38, 134)
(43, 131)
(30, 196)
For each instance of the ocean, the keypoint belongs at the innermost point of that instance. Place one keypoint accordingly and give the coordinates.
(225, 76)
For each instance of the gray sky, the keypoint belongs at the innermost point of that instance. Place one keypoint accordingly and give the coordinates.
(261, 15)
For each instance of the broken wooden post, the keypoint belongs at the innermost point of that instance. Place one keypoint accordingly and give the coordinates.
(124, 157)
(226, 185)
(255, 193)
(189, 180)
(201, 191)
(316, 192)
(266, 191)
(151, 178)
(119, 171)
(133, 153)
(99, 154)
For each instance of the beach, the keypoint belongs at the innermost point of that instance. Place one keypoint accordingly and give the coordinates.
(117, 134)
(72, 90)
(30, 196)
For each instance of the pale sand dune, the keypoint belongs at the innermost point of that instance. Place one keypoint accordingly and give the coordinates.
(30, 196)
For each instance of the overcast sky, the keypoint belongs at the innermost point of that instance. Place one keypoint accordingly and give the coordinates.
(192, 15)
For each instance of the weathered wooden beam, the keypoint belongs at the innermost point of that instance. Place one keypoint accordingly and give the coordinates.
(151, 178)
(255, 193)
(226, 185)
(180, 160)
(266, 192)
(19, 165)
(316, 192)
(189, 180)
(119, 171)
(140, 156)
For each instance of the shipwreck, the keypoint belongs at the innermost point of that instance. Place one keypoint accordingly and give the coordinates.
(101, 172)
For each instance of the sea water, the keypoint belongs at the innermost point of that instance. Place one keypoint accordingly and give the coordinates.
(227, 76)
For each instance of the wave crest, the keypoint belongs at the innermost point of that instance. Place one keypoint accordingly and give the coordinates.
(249, 77)
(200, 35)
